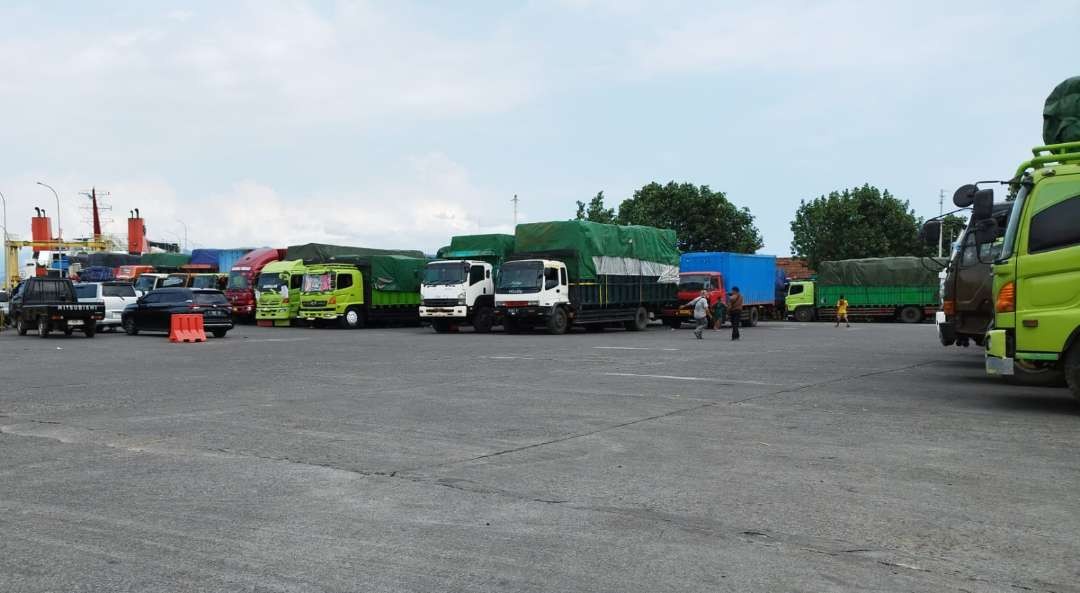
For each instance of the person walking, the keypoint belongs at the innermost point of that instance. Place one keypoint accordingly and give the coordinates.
(841, 311)
(735, 304)
(701, 313)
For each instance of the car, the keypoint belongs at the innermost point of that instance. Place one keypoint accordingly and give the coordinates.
(116, 296)
(153, 312)
(49, 304)
(5, 307)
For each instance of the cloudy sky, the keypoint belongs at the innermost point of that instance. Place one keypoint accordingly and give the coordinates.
(398, 124)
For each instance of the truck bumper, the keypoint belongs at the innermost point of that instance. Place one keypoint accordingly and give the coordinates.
(998, 361)
(525, 312)
(272, 313)
(314, 315)
(460, 312)
(242, 310)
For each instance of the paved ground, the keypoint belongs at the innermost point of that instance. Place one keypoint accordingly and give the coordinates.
(806, 458)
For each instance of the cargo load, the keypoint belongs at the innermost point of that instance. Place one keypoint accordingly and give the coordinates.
(165, 261)
(493, 248)
(882, 271)
(313, 253)
(604, 249)
(1061, 113)
(227, 258)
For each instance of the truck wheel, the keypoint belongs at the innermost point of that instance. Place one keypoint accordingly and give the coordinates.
(130, 328)
(483, 319)
(1033, 374)
(21, 327)
(804, 314)
(640, 321)
(910, 314)
(441, 326)
(90, 330)
(751, 318)
(1072, 369)
(557, 322)
(43, 327)
(352, 319)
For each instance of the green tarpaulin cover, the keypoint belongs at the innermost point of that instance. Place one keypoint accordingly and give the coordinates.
(494, 248)
(396, 272)
(600, 244)
(881, 271)
(320, 253)
(165, 260)
(1061, 114)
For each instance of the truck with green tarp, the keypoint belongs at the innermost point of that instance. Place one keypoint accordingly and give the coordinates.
(459, 286)
(585, 273)
(355, 290)
(165, 262)
(277, 292)
(890, 288)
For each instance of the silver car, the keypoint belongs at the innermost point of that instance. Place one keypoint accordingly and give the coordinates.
(115, 295)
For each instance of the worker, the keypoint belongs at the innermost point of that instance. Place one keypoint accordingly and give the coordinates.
(701, 313)
(735, 305)
(841, 311)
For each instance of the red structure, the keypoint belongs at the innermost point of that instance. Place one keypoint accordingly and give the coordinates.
(41, 227)
(137, 244)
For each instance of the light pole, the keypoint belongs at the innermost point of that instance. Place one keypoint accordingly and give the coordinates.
(185, 233)
(59, 232)
(3, 201)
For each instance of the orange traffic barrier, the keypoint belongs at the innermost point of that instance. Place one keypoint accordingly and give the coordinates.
(186, 328)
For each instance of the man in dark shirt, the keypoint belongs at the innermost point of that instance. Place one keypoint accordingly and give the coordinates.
(735, 311)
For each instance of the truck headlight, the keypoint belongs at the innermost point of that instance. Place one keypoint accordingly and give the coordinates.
(461, 298)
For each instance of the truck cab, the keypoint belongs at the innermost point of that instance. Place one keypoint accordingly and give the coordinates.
(242, 276)
(800, 300)
(333, 292)
(690, 286)
(1036, 287)
(455, 292)
(149, 281)
(273, 308)
(532, 291)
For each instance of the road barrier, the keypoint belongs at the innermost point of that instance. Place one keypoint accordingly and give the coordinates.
(187, 328)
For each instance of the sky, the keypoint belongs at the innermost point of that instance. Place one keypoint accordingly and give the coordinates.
(399, 124)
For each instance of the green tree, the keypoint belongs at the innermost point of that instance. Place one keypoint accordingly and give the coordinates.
(595, 210)
(853, 223)
(702, 219)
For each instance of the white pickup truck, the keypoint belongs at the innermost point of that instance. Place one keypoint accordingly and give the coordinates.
(115, 295)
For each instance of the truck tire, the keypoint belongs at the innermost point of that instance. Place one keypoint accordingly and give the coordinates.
(910, 314)
(558, 322)
(130, 328)
(483, 319)
(352, 319)
(21, 327)
(639, 322)
(1030, 374)
(804, 314)
(90, 329)
(1072, 369)
(751, 318)
(441, 326)
(43, 327)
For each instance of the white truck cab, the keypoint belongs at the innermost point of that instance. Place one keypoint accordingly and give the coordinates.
(458, 292)
(532, 292)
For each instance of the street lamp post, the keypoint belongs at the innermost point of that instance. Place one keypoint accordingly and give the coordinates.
(59, 232)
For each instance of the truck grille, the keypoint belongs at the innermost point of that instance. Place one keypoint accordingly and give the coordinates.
(440, 302)
(313, 304)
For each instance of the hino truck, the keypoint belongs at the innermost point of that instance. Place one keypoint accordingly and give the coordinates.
(588, 274)
(459, 287)
(275, 309)
(379, 287)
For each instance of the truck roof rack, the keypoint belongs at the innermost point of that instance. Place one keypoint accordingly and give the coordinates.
(1061, 154)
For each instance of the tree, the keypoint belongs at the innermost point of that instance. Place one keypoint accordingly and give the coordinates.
(854, 223)
(702, 219)
(595, 211)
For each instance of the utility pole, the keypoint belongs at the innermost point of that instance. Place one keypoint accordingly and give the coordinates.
(515, 201)
(941, 233)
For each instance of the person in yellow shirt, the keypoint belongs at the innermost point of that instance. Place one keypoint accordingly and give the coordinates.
(841, 311)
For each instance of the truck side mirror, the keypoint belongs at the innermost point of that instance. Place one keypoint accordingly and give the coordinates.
(930, 233)
(986, 231)
(964, 195)
(983, 205)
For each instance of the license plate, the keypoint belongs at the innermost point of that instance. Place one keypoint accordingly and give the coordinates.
(75, 322)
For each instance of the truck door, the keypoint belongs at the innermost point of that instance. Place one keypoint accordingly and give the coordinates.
(476, 276)
(971, 285)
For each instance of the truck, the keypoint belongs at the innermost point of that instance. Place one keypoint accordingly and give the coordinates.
(242, 276)
(353, 291)
(459, 287)
(966, 283)
(272, 309)
(717, 272)
(903, 289)
(589, 274)
(49, 304)
(150, 281)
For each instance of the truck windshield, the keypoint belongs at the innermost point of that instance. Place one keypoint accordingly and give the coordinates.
(1008, 246)
(204, 282)
(239, 281)
(695, 282)
(444, 273)
(323, 282)
(145, 283)
(269, 282)
(520, 277)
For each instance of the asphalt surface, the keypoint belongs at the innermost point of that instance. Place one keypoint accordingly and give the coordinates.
(802, 458)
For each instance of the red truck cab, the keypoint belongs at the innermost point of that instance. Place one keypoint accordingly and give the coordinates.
(690, 286)
(240, 290)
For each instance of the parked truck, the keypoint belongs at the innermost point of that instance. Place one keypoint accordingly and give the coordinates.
(589, 274)
(273, 308)
(366, 289)
(50, 304)
(459, 287)
(718, 272)
(889, 288)
(242, 276)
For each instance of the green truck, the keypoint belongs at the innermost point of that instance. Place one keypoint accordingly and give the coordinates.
(353, 291)
(276, 280)
(891, 288)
